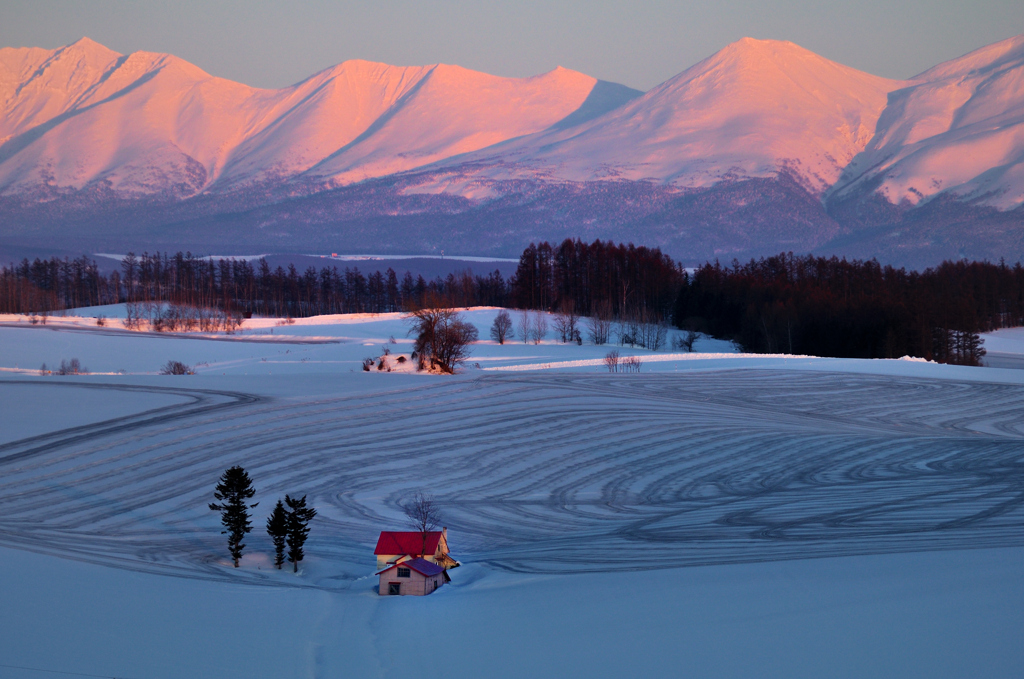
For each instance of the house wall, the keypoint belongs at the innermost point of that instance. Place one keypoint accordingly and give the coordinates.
(384, 559)
(415, 585)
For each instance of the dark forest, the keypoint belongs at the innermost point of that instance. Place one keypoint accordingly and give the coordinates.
(781, 304)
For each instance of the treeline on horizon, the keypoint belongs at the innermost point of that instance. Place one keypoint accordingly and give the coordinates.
(853, 309)
(781, 304)
(599, 277)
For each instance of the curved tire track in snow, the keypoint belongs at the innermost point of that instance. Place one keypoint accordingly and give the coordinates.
(547, 472)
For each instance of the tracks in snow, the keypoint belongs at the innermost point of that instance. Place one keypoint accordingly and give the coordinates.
(546, 472)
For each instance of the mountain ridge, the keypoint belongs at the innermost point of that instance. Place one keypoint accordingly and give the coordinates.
(149, 148)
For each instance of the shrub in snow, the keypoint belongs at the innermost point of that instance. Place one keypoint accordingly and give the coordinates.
(177, 368)
(611, 361)
(72, 367)
(401, 359)
(367, 364)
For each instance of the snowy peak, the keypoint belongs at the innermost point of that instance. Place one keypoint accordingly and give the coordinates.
(754, 109)
(83, 115)
(958, 128)
(453, 111)
(37, 85)
(983, 60)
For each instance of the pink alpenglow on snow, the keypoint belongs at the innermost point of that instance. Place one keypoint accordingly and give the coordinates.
(148, 123)
(755, 108)
(958, 126)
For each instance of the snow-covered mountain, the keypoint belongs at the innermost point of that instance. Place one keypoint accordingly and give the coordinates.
(83, 115)
(957, 128)
(754, 109)
(763, 146)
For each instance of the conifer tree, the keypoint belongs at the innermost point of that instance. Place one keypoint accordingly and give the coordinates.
(277, 528)
(299, 517)
(234, 489)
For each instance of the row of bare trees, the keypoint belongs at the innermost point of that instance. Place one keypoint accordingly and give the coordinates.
(169, 317)
(617, 363)
(532, 327)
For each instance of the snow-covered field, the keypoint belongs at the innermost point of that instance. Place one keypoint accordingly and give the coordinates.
(716, 515)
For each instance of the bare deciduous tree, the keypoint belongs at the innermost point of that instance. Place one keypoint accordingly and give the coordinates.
(501, 330)
(424, 516)
(599, 326)
(442, 338)
(651, 332)
(686, 340)
(631, 364)
(525, 325)
(567, 322)
(540, 327)
(626, 328)
(177, 368)
(611, 361)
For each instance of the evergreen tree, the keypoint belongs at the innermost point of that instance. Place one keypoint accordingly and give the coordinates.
(234, 489)
(299, 517)
(277, 529)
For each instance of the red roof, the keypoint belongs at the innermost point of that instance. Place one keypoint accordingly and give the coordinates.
(419, 565)
(407, 542)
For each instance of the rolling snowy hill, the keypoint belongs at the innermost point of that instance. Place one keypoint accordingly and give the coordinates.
(763, 146)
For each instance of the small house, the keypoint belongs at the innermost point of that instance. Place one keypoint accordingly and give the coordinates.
(416, 577)
(432, 546)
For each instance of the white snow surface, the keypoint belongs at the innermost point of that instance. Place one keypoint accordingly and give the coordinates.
(716, 515)
(957, 128)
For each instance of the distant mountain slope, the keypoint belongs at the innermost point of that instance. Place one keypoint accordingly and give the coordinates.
(754, 109)
(84, 117)
(763, 146)
(956, 129)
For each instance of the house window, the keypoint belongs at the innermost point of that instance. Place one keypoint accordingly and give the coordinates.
(404, 573)
(394, 588)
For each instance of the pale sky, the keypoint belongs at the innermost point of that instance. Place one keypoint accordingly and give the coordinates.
(640, 44)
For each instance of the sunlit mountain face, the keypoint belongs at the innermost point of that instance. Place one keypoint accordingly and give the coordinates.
(762, 147)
